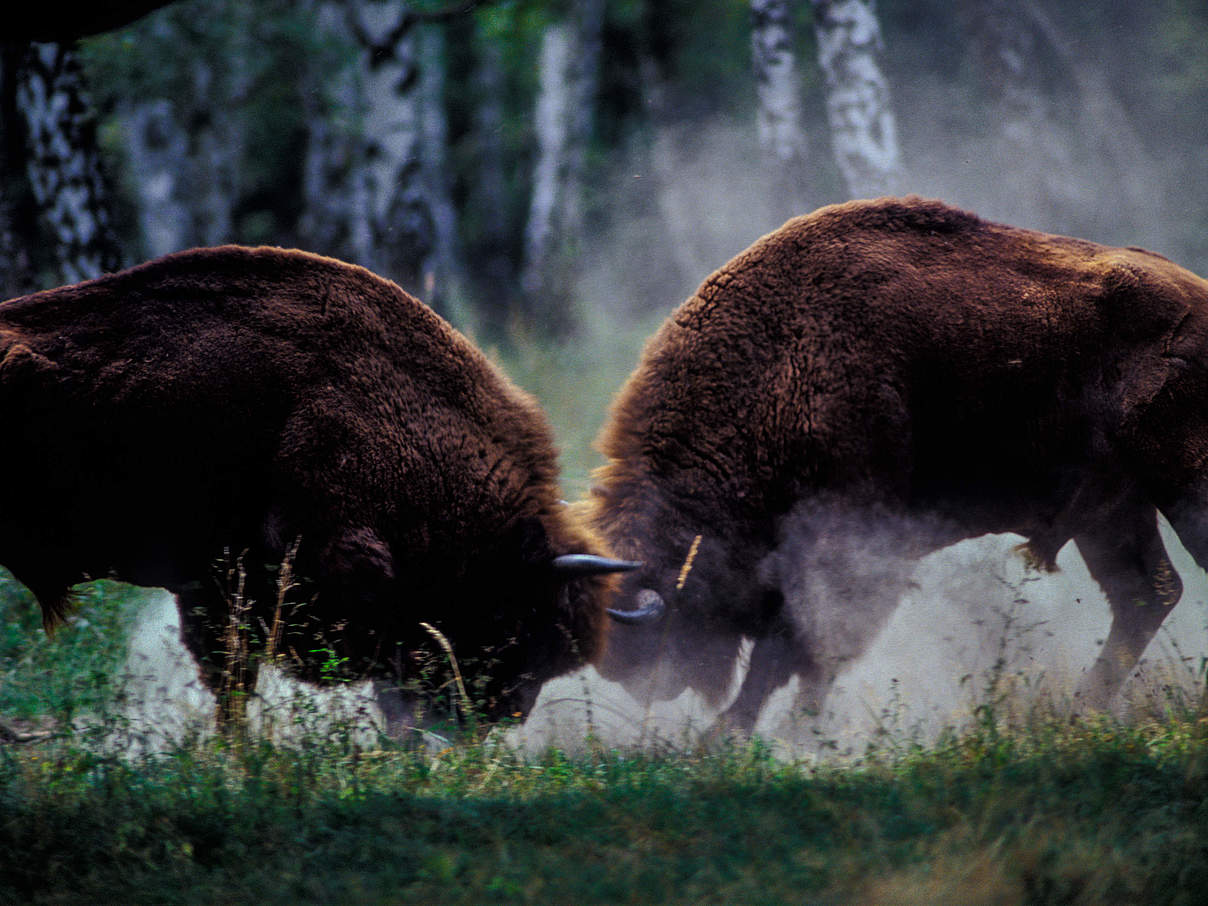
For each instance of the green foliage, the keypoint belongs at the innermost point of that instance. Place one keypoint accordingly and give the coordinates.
(75, 671)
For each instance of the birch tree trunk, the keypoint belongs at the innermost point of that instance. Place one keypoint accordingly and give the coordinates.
(158, 148)
(569, 75)
(335, 217)
(186, 147)
(63, 163)
(1008, 52)
(778, 117)
(377, 191)
(863, 130)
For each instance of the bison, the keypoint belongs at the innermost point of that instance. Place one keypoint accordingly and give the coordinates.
(251, 399)
(875, 381)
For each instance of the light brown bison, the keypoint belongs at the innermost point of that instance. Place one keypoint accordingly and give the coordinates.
(237, 398)
(872, 382)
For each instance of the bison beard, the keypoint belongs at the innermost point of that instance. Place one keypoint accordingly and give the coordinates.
(241, 399)
(878, 380)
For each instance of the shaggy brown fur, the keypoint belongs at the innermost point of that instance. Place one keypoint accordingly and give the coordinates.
(242, 398)
(874, 381)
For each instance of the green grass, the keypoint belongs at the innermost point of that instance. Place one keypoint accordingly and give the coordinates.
(1092, 812)
(77, 669)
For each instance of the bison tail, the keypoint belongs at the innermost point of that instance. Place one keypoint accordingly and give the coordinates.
(56, 608)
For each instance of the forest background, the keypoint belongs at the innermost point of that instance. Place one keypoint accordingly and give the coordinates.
(555, 175)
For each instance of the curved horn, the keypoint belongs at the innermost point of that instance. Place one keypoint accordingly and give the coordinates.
(576, 565)
(650, 609)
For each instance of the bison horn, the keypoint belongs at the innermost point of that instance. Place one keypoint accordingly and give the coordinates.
(576, 565)
(650, 609)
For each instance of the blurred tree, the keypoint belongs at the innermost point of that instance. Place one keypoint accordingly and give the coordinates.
(1059, 121)
(569, 76)
(376, 188)
(61, 201)
(490, 196)
(62, 161)
(863, 130)
(779, 117)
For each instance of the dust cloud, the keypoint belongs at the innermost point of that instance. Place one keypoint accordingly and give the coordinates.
(975, 621)
(974, 624)
(163, 701)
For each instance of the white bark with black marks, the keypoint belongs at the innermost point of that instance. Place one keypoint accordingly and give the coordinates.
(569, 75)
(778, 117)
(63, 164)
(377, 191)
(863, 130)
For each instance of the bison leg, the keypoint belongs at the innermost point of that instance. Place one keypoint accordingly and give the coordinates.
(1125, 555)
(773, 664)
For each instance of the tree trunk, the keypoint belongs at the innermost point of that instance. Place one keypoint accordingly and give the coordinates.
(569, 74)
(675, 198)
(1007, 49)
(778, 118)
(493, 229)
(63, 163)
(335, 218)
(157, 148)
(858, 107)
(215, 151)
(1057, 167)
(376, 187)
(434, 188)
(186, 151)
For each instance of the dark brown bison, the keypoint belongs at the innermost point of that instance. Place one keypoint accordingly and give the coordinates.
(872, 382)
(241, 399)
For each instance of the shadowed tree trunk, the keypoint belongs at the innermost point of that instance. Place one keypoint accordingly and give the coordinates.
(335, 217)
(157, 149)
(858, 108)
(778, 117)
(494, 232)
(377, 192)
(569, 75)
(63, 162)
(1011, 61)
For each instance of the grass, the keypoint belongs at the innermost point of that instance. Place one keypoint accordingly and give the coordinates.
(1092, 812)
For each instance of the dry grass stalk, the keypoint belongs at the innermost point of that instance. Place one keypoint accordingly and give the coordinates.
(286, 582)
(463, 697)
(687, 567)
